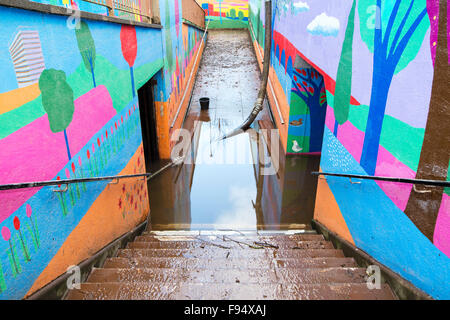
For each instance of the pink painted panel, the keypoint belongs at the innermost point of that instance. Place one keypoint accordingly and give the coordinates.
(441, 237)
(387, 165)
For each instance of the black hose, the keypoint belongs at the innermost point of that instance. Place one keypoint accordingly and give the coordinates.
(265, 75)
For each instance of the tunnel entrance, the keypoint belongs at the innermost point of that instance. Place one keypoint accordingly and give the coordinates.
(148, 123)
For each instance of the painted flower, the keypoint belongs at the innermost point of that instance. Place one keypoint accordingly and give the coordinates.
(29, 211)
(16, 223)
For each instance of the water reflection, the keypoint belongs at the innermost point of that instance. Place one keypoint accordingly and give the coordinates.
(221, 185)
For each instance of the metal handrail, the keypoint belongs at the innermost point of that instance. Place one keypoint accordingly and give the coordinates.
(437, 183)
(66, 182)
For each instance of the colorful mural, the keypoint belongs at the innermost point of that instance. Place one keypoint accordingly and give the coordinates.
(383, 118)
(225, 14)
(68, 109)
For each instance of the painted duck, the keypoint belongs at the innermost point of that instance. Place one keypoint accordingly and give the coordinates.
(296, 147)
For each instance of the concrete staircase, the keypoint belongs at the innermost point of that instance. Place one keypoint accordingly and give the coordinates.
(228, 265)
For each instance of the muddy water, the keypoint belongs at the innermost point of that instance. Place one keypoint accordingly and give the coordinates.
(244, 182)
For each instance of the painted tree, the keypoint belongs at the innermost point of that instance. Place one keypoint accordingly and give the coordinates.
(309, 86)
(395, 39)
(233, 13)
(168, 36)
(220, 10)
(343, 89)
(128, 41)
(86, 45)
(423, 207)
(57, 100)
(241, 15)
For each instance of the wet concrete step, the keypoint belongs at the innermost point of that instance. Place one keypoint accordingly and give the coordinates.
(272, 239)
(312, 275)
(219, 291)
(219, 253)
(138, 244)
(221, 264)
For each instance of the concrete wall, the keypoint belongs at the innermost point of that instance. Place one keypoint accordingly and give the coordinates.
(69, 109)
(383, 101)
(225, 14)
(193, 13)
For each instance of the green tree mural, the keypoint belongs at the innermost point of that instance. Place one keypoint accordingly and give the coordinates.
(57, 100)
(86, 45)
(233, 13)
(343, 90)
(394, 31)
(241, 15)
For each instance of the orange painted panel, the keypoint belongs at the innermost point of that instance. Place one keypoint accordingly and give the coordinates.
(328, 213)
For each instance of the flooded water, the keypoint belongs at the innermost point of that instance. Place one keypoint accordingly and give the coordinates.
(244, 182)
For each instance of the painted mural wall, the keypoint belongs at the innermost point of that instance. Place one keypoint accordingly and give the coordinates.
(183, 48)
(386, 99)
(68, 109)
(225, 14)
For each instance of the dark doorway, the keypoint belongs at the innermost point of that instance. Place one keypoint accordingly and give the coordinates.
(148, 123)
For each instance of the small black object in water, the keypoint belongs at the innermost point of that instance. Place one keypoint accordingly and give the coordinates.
(204, 103)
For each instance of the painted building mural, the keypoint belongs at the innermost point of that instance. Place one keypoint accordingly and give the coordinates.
(225, 14)
(99, 8)
(69, 109)
(385, 96)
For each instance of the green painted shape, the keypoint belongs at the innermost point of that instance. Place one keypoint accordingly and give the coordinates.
(303, 142)
(241, 15)
(226, 23)
(2, 279)
(30, 231)
(57, 99)
(19, 117)
(116, 81)
(86, 45)
(447, 190)
(298, 106)
(367, 22)
(344, 74)
(167, 33)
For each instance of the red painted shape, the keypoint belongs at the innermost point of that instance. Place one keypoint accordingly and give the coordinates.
(291, 51)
